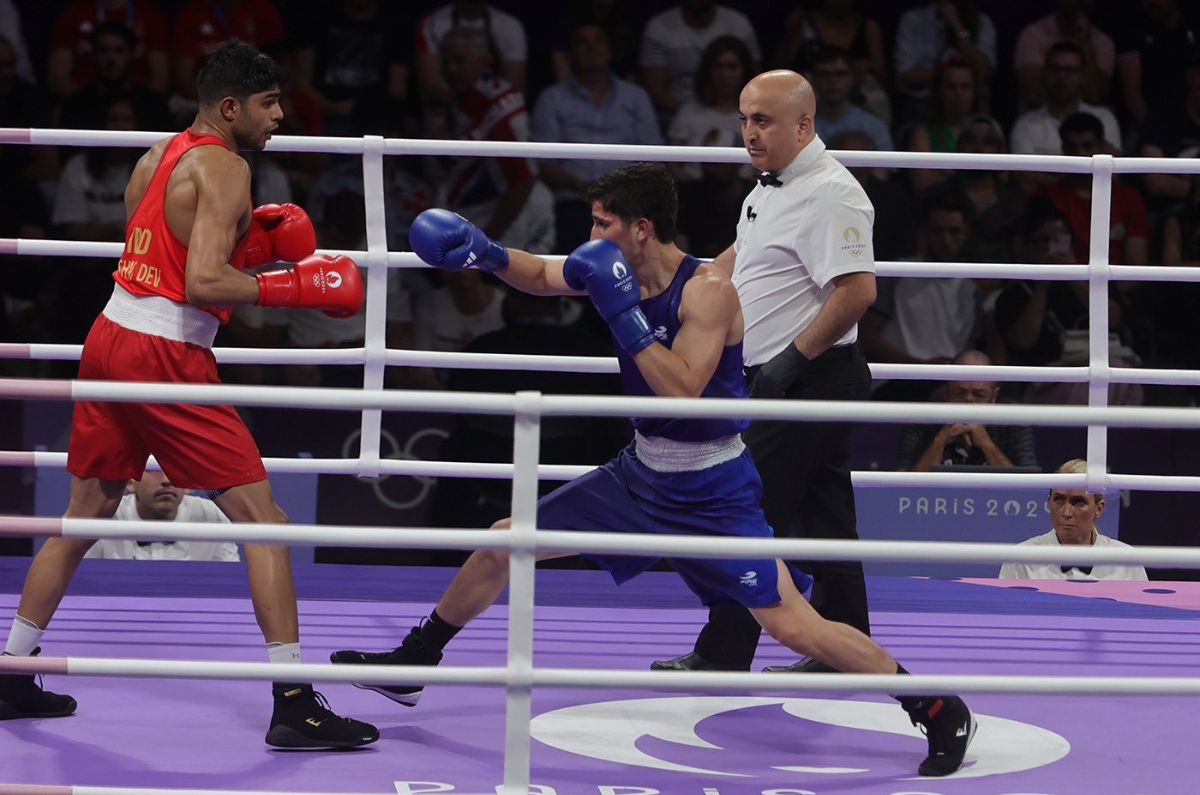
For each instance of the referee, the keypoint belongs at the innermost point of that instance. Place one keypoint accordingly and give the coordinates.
(803, 265)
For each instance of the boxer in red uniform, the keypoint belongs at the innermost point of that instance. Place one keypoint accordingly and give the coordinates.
(191, 231)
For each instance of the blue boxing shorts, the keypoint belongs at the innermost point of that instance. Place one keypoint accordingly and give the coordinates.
(625, 495)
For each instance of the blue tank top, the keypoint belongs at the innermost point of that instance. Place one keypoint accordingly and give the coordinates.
(662, 311)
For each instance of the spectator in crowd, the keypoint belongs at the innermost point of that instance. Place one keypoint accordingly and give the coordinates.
(112, 49)
(72, 63)
(467, 305)
(23, 105)
(341, 226)
(894, 233)
(1073, 515)
(1173, 304)
(504, 38)
(348, 55)
(620, 24)
(711, 193)
(966, 443)
(833, 79)
(936, 32)
(1082, 135)
(501, 194)
(1036, 130)
(201, 25)
(1173, 130)
(1045, 322)
(673, 41)
(998, 204)
(1152, 54)
(840, 24)
(1070, 21)
(592, 105)
(12, 32)
(154, 499)
(90, 205)
(925, 320)
(955, 99)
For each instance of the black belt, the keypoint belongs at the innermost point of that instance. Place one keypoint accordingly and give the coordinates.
(837, 353)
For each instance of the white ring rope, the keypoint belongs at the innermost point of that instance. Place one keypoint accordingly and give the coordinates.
(597, 543)
(599, 677)
(519, 677)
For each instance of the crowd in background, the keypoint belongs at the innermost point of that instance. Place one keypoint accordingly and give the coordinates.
(1069, 77)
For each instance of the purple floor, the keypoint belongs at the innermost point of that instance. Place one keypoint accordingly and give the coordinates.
(208, 734)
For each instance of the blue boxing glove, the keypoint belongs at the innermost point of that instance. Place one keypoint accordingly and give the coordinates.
(599, 267)
(447, 240)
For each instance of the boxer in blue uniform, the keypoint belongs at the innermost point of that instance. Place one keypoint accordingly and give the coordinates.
(677, 328)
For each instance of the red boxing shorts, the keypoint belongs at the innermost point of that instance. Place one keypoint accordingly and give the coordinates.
(198, 447)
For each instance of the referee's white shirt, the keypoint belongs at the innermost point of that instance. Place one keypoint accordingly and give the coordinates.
(792, 241)
(191, 509)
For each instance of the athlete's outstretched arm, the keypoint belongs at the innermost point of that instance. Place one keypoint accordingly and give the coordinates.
(222, 200)
(447, 240)
(709, 311)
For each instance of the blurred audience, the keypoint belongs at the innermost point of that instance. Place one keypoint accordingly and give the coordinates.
(503, 195)
(348, 54)
(594, 106)
(112, 49)
(619, 22)
(923, 320)
(503, 35)
(833, 78)
(1153, 53)
(966, 443)
(955, 99)
(673, 41)
(72, 63)
(933, 33)
(839, 24)
(1082, 135)
(1070, 21)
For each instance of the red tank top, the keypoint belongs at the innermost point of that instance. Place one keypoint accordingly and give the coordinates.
(154, 260)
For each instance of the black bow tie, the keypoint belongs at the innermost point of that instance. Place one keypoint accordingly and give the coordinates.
(1087, 570)
(769, 179)
(151, 543)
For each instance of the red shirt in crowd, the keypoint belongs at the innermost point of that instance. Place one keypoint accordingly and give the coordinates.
(1128, 218)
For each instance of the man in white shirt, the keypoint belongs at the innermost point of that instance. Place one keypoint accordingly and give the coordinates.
(804, 268)
(1073, 514)
(1036, 131)
(154, 499)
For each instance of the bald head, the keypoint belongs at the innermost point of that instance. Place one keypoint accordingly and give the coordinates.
(776, 110)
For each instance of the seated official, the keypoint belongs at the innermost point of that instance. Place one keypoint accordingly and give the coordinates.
(1073, 514)
(959, 443)
(154, 499)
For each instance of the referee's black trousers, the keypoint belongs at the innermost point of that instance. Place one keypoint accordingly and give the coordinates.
(805, 469)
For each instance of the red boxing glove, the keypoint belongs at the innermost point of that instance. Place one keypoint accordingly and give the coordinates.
(277, 232)
(331, 284)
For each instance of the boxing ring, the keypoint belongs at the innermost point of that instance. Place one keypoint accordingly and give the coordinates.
(1052, 671)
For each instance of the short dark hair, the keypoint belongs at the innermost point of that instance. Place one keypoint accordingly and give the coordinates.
(115, 29)
(946, 201)
(1081, 123)
(1064, 47)
(702, 79)
(639, 190)
(830, 54)
(235, 69)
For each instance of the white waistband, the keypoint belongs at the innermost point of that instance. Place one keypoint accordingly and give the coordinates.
(162, 317)
(669, 455)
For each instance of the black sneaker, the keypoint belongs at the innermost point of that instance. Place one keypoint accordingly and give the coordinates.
(410, 652)
(806, 666)
(694, 662)
(302, 719)
(22, 696)
(949, 727)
